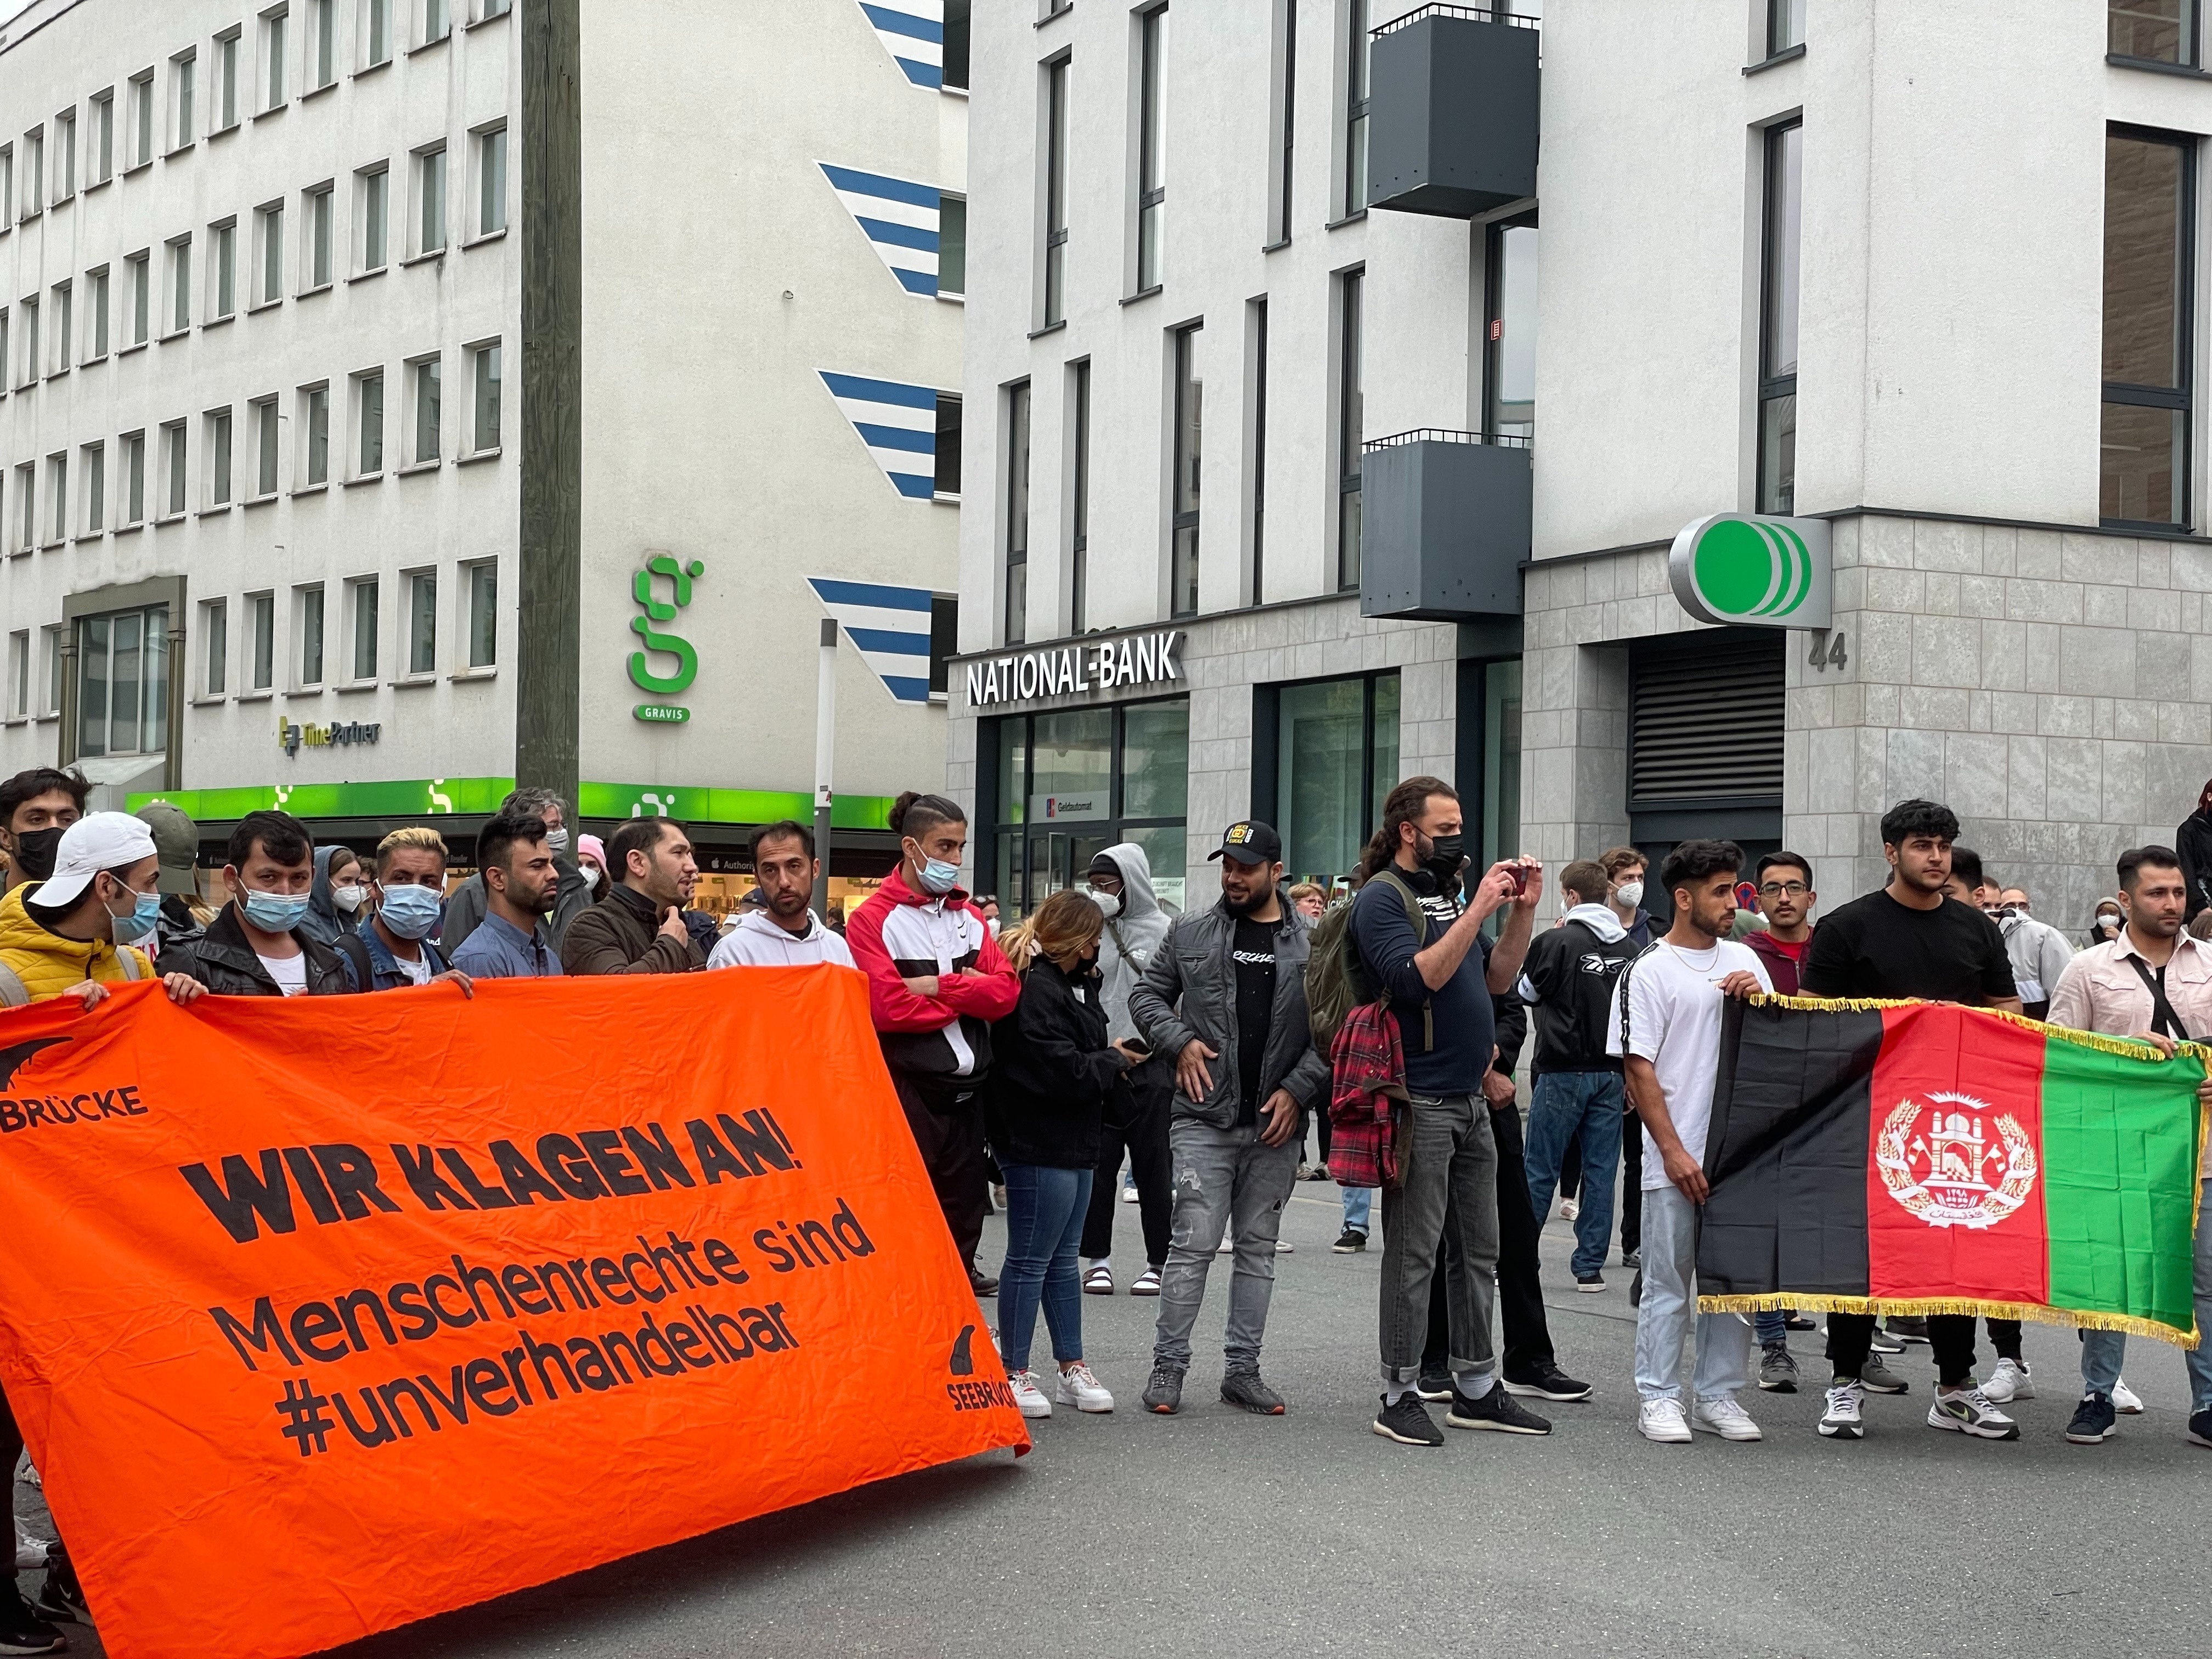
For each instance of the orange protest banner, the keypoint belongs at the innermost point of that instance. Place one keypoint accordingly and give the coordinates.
(322, 1317)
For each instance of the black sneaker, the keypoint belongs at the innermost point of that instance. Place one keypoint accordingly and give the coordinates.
(1798, 1322)
(1246, 1389)
(1635, 1289)
(1880, 1379)
(982, 1283)
(1882, 1342)
(2200, 1427)
(1632, 1258)
(1164, 1394)
(1589, 1284)
(1497, 1409)
(1408, 1422)
(1435, 1387)
(1907, 1328)
(2092, 1421)
(60, 1596)
(1353, 1242)
(1548, 1382)
(22, 1631)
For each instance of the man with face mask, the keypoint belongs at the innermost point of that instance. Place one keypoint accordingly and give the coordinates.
(84, 928)
(1120, 880)
(35, 807)
(256, 947)
(572, 893)
(393, 948)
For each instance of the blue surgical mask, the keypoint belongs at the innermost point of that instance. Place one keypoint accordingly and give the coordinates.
(939, 877)
(410, 911)
(144, 916)
(273, 913)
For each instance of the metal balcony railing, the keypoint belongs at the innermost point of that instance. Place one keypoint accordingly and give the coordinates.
(1471, 13)
(1437, 434)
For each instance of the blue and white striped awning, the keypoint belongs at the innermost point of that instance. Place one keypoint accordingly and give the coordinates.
(898, 424)
(899, 220)
(913, 31)
(888, 626)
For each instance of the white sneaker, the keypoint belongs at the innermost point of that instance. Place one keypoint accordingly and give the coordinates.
(1078, 1389)
(1128, 1194)
(30, 1551)
(2008, 1381)
(2123, 1399)
(1842, 1420)
(1662, 1420)
(1284, 1247)
(1968, 1411)
(1570, 1209)
(1027, 1395)
(1723, 1416)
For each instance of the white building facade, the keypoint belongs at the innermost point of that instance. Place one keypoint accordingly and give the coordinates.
(1255, 293)
(266, 436)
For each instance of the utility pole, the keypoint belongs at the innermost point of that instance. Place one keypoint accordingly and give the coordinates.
(825, 757)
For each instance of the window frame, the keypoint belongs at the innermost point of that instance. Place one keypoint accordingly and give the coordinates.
(479, 354)
(219, 460)
(267, 448)
(273, 85)
(364, 626)
(227, 44)
(1015, 451)
(92, 479)
(487, 177)
(426, 377)
(1078, 496)
(1358, 85)
(311, 613)
(428, 166)
(2189, 53)
(215, 649)
(99, 170)
(268, 287)
(1186, 462)
(1351, 425)
(414, 584)
(1494, 321)
(313, 396)
(1776, 392)
(1053, 294)
(2181, 399)
(1149, 205)
(481, 618)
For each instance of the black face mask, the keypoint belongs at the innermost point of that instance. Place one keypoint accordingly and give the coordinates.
(35, 850)
(1446, 854)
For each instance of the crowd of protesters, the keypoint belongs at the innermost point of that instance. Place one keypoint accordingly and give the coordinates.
(1198, 1049)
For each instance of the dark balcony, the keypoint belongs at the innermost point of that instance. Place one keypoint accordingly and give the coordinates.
(1446, 529)
(1452, 110)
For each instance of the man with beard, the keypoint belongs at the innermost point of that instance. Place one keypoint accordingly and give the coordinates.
(1120, 880)
(35, 806)
(782, 932)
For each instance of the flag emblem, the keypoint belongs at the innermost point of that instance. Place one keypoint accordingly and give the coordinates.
(1939, 1163)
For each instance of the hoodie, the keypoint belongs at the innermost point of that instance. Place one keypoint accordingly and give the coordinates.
(1133, 934)
(1567, 981)
(48, 964)
(758, 939)
(899, 934)
(323, 923)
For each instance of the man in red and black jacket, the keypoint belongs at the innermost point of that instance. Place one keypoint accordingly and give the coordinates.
(936, 983)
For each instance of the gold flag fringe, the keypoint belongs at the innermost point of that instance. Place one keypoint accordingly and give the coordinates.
(2041, 1313)
(2125, 1048)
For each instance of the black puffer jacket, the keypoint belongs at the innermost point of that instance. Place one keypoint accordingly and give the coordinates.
(2193, 841)
(1052, 1070)
(224, 962)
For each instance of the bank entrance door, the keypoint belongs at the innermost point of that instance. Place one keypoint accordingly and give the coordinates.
(1057, 859)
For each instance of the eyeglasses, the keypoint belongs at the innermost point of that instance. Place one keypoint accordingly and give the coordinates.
(1784, 889)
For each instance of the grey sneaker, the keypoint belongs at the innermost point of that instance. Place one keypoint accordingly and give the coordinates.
(1968, 1411)
(1164, 1394)
(1777, 1370)
(1880, 1379)
(1246, 1389)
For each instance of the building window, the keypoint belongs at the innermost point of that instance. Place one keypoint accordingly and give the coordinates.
(954, 73)
(364, 629)
(951, 243)
(1079, 543)
(945, 483)
(1777, 321)
(375, 33)
(140, 143)
(372, 202)
(1351, 418)
(1287, 116)
(34, 172)
(437, 21)
(1501, 762)
(141, 278)
(1063, 787)
(494, 9)
(311, 636)
(2150, 290)
(174, 455)
(1152, 153)
(222, 268)
(261, 613)
(1509, 340)
(28, 311)
(134, 477)
(268, 232)
(215, 631)
(218, 461)
(369, 410)
(430, 199)
(275, 28)
(1055, 192)
(1357, 59)
(320, 217)
(64, 325)
(1335, 751)
(64, 155)
(122, 683)
(422, 622)
(1785, 24)
(268, 432)
(7, 185)
(4, 336)
(1259, 314)
(19, 674)
(2152, 31)
(51, 644)
(1018, 512)
(95, 314)
(485, 434)
(491, 180)
(1188, 460)
(430, 397)
(180, 284)
(95, 471)
(100, 145)
(322, 52)
(57, 499)
(27, 506)
(315, 432)
(483, 613)
(225, 79)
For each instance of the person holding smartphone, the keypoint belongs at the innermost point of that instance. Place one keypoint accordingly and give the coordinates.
(1119, 883)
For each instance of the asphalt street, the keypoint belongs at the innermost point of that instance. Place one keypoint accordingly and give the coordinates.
(1215, 1533)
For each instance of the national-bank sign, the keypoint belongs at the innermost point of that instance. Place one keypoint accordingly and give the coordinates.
(1067, 670)
(1753, 571)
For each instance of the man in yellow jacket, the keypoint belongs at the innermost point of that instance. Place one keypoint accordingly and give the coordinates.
(73, 933)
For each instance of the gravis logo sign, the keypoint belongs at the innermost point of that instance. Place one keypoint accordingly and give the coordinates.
(1754, 571)
(658, 642)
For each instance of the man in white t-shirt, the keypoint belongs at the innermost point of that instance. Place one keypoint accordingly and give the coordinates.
(1666, 1026)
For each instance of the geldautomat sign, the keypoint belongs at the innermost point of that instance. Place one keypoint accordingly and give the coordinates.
(1753, 571)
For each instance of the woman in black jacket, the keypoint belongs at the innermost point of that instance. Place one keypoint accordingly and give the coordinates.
(2193, 841)
(1052, 1069)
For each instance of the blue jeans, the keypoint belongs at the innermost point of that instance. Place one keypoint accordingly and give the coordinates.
(1562, 1106)
(1045, 1223)
(1771, 1325)
(2103, 1350)
(1358, 1210)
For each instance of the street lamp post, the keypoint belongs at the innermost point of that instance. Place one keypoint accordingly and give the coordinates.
(825, 754)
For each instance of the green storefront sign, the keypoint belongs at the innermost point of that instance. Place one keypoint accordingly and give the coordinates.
(433, 798)
(1753, 571)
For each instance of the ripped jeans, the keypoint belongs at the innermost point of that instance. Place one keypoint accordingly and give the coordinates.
(1224, 1178)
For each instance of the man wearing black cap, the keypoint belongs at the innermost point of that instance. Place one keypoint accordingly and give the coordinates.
(1224, 1000)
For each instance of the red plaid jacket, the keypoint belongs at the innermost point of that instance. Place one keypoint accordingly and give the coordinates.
(1367, 1079)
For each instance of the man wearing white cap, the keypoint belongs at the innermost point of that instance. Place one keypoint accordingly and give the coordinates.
(74, 933)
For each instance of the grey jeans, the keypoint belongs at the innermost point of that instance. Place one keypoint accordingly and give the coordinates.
(1224, 1178)
(1447, 1171)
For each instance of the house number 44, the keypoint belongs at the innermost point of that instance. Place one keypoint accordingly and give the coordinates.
(1827, 651)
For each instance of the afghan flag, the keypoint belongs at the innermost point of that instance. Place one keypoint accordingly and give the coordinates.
(1925, 1159)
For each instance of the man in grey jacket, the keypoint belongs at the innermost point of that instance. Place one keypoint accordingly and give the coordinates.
(1121, 879)
(1225, 999)
(464, 905)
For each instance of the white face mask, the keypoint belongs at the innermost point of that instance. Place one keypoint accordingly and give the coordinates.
(591, 878)
(1630, 893)
(348, 898)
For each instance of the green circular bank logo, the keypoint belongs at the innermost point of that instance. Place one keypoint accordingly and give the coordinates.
(1763, 572)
